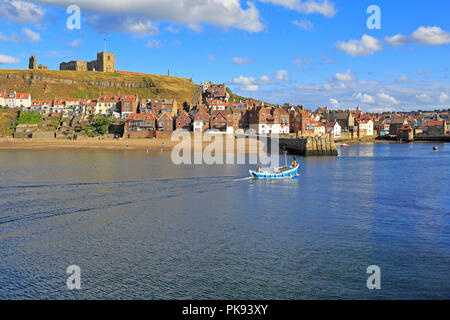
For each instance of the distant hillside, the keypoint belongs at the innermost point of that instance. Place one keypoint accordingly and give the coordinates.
(48, 84)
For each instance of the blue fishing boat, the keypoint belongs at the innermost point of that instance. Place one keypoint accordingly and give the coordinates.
(285, 172)
(276, 173)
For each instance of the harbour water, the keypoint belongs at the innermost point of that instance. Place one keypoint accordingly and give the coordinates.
(140, 227)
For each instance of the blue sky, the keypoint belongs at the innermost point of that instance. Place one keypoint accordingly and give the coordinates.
(310, 52)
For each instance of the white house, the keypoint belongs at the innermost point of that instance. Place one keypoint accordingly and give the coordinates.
(333, 128)
(10, 100)
(319, 130)
(3, 95)
(266, 128)
(366, 128)
(23, 100)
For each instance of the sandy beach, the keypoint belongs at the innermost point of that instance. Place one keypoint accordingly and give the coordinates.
(108, 144)
(134, 144)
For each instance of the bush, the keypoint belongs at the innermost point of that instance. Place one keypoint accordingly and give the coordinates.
(29, 118)
(101, 125)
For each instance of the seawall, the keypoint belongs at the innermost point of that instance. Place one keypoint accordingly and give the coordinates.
(310, 146)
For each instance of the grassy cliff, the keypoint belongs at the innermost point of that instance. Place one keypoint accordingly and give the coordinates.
(8, 120)
(48, 84)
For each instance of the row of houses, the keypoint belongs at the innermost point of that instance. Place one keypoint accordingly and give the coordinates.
(235, 118)
(110, 106)
(216, 113)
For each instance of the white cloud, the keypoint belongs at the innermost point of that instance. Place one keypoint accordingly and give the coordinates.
(8, 59)
(124, 24)
(403, 79)
(375, 95)
(366, 46)
(443, 98)
(226, 14)
(387, 99)
(75, 43)
(432, 36)
(154, 44)
(10, 39)
(364, 98)
(323, 7)
(300, 62)
(397, 40)
(172, 30)
(334, 102)
(246, 83)
(282, 75)
(242, 61)
(424, 98)
(31, 35)
(423, 72)
(304, 24)
(327, 59)
(345, 76)
(254, 84)
(20, 11)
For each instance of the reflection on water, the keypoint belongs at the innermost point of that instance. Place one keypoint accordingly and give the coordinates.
(140, 227)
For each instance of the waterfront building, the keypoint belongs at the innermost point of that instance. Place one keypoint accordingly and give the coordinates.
(334, 129)
(365, 128)
(405, 133)
(345, 119)
(165, 105)
(164, 122)
(435, 128)
(219, 120)
(201, 119)
(140, 122)
(183, 121)
(127, 105)
(396, 124)
(107, 105)
(284, 120)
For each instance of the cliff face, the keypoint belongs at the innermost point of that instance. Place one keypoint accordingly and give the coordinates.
(48, 84)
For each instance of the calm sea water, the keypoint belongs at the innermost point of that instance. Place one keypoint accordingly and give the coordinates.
(142, 228)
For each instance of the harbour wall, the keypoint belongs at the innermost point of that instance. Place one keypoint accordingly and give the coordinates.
(310, 146)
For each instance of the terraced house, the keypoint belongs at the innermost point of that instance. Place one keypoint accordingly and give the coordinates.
(183, 122)
(127, 105)
(107, 105)
(158, 107)
(265, 120)
(201, 120)
(164, 122)
(140, 122)
(44, 106)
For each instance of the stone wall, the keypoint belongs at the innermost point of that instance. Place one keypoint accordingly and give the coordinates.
(43, 135)
(139, 134)
(311, 146)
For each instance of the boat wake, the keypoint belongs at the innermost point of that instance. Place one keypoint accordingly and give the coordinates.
(243, 179)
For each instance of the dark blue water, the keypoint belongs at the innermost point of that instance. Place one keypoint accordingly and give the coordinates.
(141, 228)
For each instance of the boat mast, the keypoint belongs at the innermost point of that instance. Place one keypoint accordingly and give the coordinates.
(285, 158)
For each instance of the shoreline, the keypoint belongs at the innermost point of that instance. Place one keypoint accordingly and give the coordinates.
(134, 144)
(150, 145)
(88, 144)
